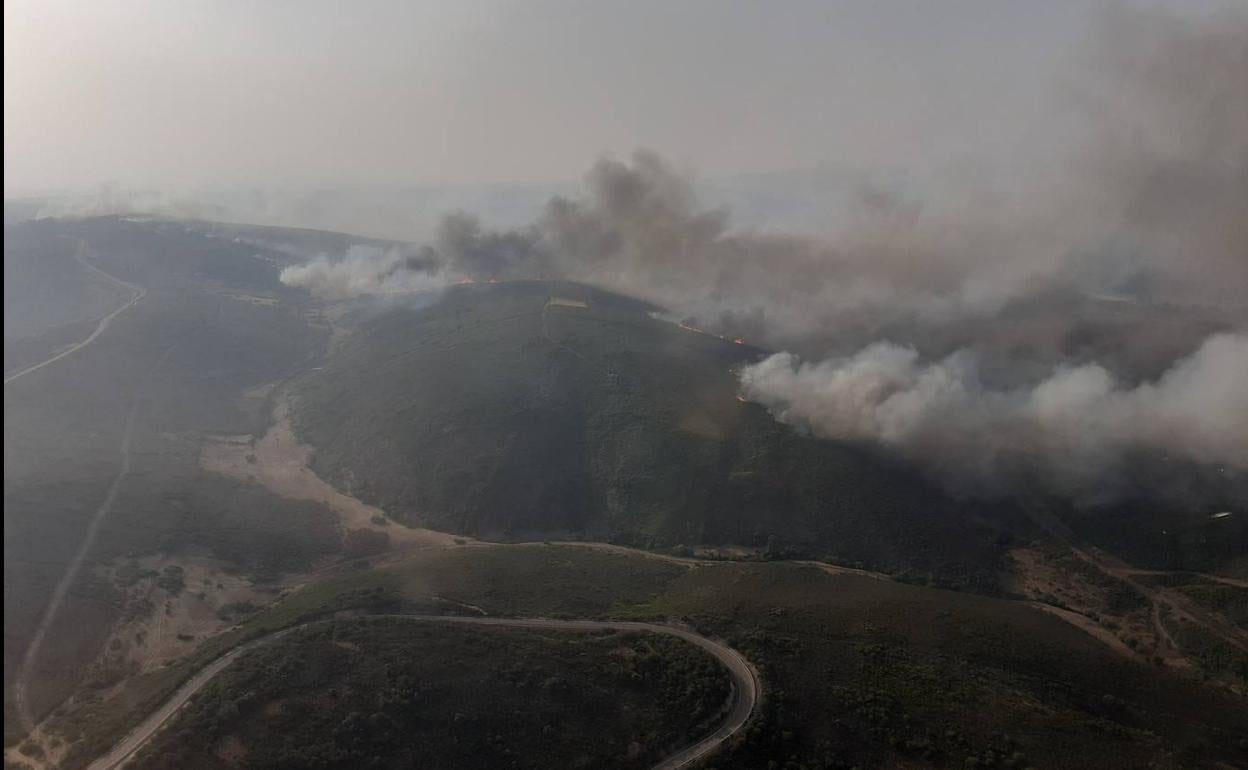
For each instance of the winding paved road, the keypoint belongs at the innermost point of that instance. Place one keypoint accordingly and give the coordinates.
(139, 293)
(745, 682)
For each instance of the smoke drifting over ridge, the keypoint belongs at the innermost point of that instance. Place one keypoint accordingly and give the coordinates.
(1144, 218)
(1077, 423)
(1149, 201)
(369, 270)
(1164, 179)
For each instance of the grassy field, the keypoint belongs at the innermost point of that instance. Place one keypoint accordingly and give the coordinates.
(386, 693)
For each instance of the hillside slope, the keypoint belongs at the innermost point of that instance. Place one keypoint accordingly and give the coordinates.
(535, 409)
(125, 416)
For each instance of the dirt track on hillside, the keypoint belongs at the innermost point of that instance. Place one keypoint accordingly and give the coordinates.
(1179, 604)
(30, 657)
(139, 293)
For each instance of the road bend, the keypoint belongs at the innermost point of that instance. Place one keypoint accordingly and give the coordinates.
(139, 293)
(745, 684)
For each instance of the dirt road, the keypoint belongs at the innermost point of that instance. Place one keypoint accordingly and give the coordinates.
(139, 293)
(1180, 605)
(30, 657)
(21, 681)
(1224, 580)
(746, 687)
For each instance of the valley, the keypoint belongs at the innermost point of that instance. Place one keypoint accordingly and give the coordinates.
(535, 455)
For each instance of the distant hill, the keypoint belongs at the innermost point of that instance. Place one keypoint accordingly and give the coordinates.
(540, 409)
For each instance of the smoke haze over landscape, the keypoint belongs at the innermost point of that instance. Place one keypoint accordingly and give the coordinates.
(1064, 236)
(625, 383)
(1145, 201)
(1145, 209)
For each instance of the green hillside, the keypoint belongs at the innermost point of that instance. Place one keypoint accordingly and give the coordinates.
(534, 409)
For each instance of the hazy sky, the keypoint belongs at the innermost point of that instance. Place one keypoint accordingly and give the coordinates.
(223, 92)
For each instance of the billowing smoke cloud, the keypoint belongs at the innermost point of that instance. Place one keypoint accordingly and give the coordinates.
(1076, 423)
(1148, 205)
(369, 270)
(1036, 289)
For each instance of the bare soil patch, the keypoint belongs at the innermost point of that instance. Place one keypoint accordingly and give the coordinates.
(280, 463)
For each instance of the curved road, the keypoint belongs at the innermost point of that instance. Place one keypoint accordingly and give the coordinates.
(745, 694)
(139, 293)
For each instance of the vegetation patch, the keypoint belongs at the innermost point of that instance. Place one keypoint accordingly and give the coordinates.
(390, 693)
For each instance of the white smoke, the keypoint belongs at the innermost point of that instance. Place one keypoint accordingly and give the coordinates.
(1075, 423)
(367, 270)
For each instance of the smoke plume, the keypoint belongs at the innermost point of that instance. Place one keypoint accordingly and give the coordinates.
(369, 270)
(1146, 206)
(1076, 423)
(1080, 304)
